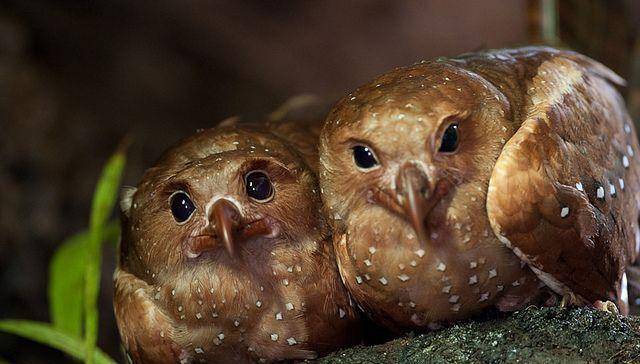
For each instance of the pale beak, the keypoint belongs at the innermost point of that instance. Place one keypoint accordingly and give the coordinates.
(225, 219)
(414, 193)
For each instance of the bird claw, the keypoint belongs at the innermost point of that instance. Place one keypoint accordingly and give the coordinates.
(568, 299)
(606, 306)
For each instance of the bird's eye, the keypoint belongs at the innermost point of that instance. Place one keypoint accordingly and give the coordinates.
(364, 157)
(181, 206)
(449, 139)
(258, 186)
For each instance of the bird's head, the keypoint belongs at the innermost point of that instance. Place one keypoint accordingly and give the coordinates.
(226, 195)
(401, 151)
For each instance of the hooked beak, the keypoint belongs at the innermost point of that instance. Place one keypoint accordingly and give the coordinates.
(226, 224)
(413, 187)
(417, 196)
(225, 219)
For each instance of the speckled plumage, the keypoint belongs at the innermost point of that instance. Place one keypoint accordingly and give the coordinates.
(180, 296)
(428, 237)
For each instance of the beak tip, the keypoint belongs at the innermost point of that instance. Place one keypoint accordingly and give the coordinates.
(225, 216)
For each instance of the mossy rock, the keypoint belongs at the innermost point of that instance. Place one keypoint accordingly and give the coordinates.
(534, 335)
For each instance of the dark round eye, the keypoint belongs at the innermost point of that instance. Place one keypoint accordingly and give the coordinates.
(450, 139)
(364, 157)
(258, 186)
(181, 206)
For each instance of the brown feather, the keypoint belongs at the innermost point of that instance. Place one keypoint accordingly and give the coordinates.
(508, 161)
(181, 296)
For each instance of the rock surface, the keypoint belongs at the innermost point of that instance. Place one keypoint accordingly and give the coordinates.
(534, 335)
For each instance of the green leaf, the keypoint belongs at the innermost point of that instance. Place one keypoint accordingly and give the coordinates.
(104, 199)
(66, 280)
(45, 334)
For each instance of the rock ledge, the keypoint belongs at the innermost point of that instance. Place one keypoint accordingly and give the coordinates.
(533, 335)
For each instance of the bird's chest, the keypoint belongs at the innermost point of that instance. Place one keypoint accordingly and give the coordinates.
(236, 317)
(460, 271)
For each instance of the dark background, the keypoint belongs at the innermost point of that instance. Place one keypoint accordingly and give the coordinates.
(77, 76)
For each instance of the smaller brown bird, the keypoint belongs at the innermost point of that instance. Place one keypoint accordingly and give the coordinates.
(225, 255)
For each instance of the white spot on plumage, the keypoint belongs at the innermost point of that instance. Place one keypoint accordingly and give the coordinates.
(415, 319)
(600, 192)
(612, 189)
(441, 267)
(221, 336)
(454, 298)
(274, 337)
(198, 315)
(627, 128)
(279, 316)
(492, 273)
(359, 279)
(455, 307)
(446, 289)
(564, 212)
(420, 253)
(367, 262)
(341, 313)
(473, 264)
(625, 161)
(624, 293)
(621, 183)
(285, 282)
(289, 306)
(372, 249)
(579, 186)
(198, 350)
(383, 280)
(629, 150)
(473, 280)
(403, 277)
(484, 297)
(413, 263)
(258, 304)
(291, 341)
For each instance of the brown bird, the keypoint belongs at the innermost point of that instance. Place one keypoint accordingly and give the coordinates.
(225, 256)
(437, 173)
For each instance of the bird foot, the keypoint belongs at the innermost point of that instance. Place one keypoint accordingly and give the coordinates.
(568, 299)
(606, 306)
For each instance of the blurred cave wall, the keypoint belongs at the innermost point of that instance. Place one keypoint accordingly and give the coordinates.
(77, 76)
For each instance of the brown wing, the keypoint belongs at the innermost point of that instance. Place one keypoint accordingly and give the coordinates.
(564, 193)
(302, 134)
(144, 329)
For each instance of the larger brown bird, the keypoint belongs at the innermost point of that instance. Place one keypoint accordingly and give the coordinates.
(225, 256)
(437, 173)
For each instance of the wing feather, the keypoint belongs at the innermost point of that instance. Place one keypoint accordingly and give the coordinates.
(564, 193)
(145, 330)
